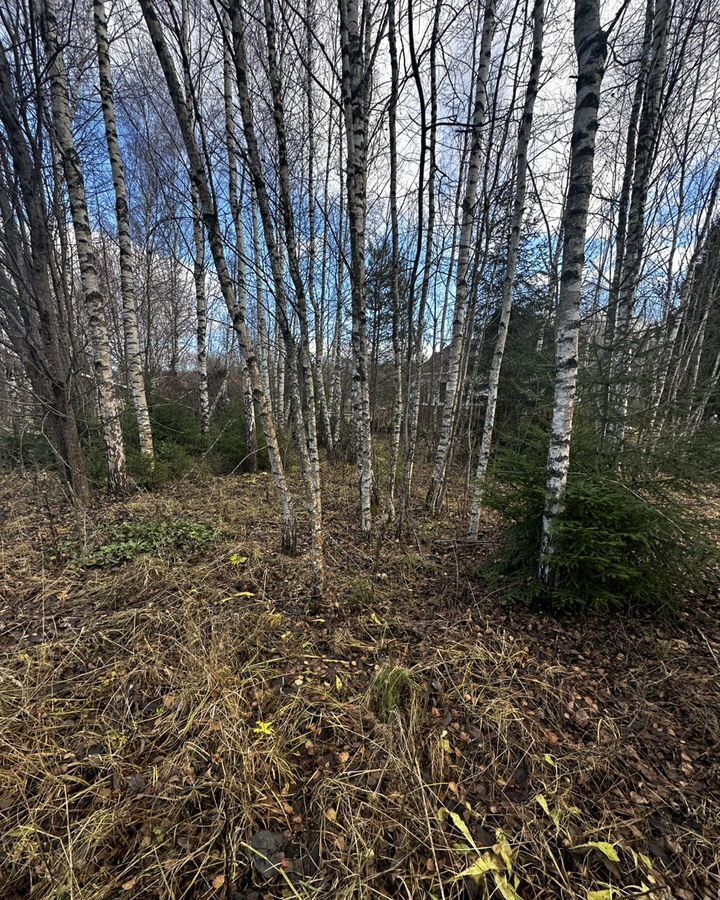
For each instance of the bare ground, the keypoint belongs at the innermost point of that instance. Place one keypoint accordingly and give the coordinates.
(190, 725)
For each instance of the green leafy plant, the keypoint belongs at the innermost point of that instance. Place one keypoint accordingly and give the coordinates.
(125, 541)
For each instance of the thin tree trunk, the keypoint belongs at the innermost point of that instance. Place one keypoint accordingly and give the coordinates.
(201, 312)
(241, 276)
(199, 250)
(318, 311)
(92, 295)
(591, 50)
(511, 264)
(633, 256)
(305, 424)
(260, 298)
(355, 88)
(394, 270)
(461, 285)
(415, 337)
(127, 265)
(215, 236)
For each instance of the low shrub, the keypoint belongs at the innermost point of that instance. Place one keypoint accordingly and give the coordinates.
(176, 424)
(125, 541)
(25, 448)
(618, 546)
(171, 461)
(228, 447)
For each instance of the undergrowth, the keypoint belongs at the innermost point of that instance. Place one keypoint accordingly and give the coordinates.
(620, 544)
(125, 541)
(179, 728)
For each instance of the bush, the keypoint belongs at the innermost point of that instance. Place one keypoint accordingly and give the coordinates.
(175, 424)
(172, 461)
(618, 546)
(228, 452)
(25, 448)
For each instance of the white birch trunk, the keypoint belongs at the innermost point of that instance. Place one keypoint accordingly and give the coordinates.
(260, 298)
(127, 264)
(632, 260)
(215, 236)
(201, 326)
(395, 270)
(461, 283)
(355, 86)
(241, 275)
(200, 313)
(511, 264)
(92, 295)
(305, 421)
(591, 50)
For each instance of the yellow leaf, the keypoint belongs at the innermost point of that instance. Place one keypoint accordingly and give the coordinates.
(505, 888)
(479, 869)
(503, 849)
(445, 743)
(604, 894)
(459, 823)
(331, 815)
(374, 618)
(550, 761)
(338, 683)
(604, 847)
(266, 728)
(555, 816)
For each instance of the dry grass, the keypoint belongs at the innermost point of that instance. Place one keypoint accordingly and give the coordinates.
(186, 726)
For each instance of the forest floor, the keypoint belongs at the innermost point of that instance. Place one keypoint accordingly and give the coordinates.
(177, 720)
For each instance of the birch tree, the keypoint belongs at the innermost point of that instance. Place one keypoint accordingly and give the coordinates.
(356, 60)
(31, 316)
(92, 295)
(394, 268)
(241, 274)
(200, 176)
(453, 386)
(591, 51)
(633, 250)
(122, 212)
(524, 133)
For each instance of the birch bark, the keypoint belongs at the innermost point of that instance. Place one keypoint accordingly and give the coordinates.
(416, 330)
(394, 268)
(591, 50)
(241, 273)
(212, 226)
(355, 93)
(92, 295)
(461, 283)
(122, 212)
(524, 133)
(305, 421)
(633, 255)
